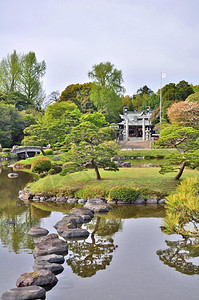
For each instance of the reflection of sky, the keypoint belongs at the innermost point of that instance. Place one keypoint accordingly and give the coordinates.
(135, 271)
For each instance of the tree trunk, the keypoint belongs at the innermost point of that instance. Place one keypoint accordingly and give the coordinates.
(96, 170)
(180, 171)
(42, 150)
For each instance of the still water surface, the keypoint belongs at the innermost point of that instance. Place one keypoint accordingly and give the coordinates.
(125, 257)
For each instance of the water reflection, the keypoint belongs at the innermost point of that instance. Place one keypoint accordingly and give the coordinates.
(88, 257)
(179, 254)
(15, 217)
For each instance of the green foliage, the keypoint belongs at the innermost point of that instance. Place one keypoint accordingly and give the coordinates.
(182, 210)
(90, 148)
(106, 90)
(41, 175)
(123, 193)
(40, 164)
(97, 118)
(11, 125)
(51, 172)
(21, 74)
(56, 168)
(91, 192)
(193, 97)
(48, 151)
(80, 95)
(54, 126)
(179, 137)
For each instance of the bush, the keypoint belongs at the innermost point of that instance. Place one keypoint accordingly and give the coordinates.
(57, 169)
(48, 151)
(123, 193)
(6, 150)
(51, 172)
(42, 175)
(41, 164)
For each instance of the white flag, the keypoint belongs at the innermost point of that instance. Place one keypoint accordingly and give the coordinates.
(163, 75)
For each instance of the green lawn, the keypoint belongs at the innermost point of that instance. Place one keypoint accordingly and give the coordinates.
(84, 184)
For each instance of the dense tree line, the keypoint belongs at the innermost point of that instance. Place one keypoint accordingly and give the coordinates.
(29, 117)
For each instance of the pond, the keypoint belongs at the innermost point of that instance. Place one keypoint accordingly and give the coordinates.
(125, 257)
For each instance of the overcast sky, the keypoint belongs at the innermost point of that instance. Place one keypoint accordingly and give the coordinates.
(140, 37)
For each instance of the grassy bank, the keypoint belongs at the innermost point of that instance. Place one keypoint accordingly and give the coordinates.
(83, 184)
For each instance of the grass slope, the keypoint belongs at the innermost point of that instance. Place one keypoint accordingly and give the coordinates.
(84, 184)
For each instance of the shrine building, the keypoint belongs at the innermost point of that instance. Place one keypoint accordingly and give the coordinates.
(136, 125)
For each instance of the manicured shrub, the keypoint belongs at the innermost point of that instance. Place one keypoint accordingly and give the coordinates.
(41, 164)
(42, 175)
(48, 151)
(6, 150)
(51, 172)
(123, 193)
(57, 168)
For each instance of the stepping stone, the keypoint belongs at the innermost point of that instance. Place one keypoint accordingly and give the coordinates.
(85, 213)
(75, 233)
(43, 265)
(37, 231)
(50, 244)
(51, 258)
(97, 205)
(44, 278)
(13, 175)
(25, 293)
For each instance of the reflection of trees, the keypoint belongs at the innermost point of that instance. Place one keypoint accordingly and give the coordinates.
(39, 213)
(89, 257)
(14, 236)
(137, 211)
(178, 255)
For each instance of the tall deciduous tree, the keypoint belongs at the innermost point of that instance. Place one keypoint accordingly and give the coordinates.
(10, 70)
(23, 73)
(31, 75)
(107, 89)
(12, 124)
(53, 126)
(80, 95)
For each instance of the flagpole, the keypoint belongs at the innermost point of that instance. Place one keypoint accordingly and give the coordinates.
(160, 100)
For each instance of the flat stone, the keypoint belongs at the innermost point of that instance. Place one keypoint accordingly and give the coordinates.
(72, 200)
(139, 201)
(69, 222)
(82, 211)
(81, 201)
(61, 199)
(25, 293)
(97, 205)
(13, 175)
(151, 201)
(161, 201)
(75, 233)
(43, 265)
(42, 278)
(51, 258)
(37, 231)
(50, 244)
(56, 158)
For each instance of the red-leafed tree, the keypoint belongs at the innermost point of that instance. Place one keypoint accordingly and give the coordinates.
(184, 113)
